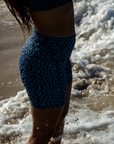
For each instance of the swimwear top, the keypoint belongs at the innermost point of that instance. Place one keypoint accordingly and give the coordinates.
(42, 5)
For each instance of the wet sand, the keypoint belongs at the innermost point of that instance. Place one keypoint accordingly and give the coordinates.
(11, 42)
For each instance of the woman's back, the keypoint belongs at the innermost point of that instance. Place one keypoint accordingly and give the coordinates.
(57, 22)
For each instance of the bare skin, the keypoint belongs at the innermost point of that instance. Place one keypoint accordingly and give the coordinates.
(58, 22)
(47, 123)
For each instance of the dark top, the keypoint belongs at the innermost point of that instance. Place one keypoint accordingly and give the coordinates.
(42, 5)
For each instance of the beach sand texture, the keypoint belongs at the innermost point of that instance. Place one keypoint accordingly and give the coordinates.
(11, 41)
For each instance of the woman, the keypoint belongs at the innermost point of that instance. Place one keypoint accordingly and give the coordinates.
(44, 63)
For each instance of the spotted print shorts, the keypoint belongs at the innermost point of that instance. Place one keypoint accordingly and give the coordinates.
(45, 69)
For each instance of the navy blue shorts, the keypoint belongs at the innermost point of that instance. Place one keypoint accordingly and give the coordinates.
(45, 69)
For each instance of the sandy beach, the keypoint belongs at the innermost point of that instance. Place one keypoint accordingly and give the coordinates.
(11, 42)
(91, 111)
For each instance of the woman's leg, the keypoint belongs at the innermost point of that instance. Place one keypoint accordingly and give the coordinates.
(60, 125)
(44, 124)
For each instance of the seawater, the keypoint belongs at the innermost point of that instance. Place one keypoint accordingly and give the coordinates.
(91, 114)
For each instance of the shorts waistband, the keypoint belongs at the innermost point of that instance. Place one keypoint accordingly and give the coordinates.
(48, 48)
(41, 36)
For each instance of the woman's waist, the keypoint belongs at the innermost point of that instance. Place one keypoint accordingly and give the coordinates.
(58, 22)
(63, 30)
(59, 27)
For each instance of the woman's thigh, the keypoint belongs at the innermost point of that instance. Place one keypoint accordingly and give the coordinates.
(45, 87)
(68, 70)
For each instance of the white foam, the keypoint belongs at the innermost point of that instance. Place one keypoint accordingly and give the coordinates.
(90, 119)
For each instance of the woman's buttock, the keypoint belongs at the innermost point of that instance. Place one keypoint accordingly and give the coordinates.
(45, 69)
